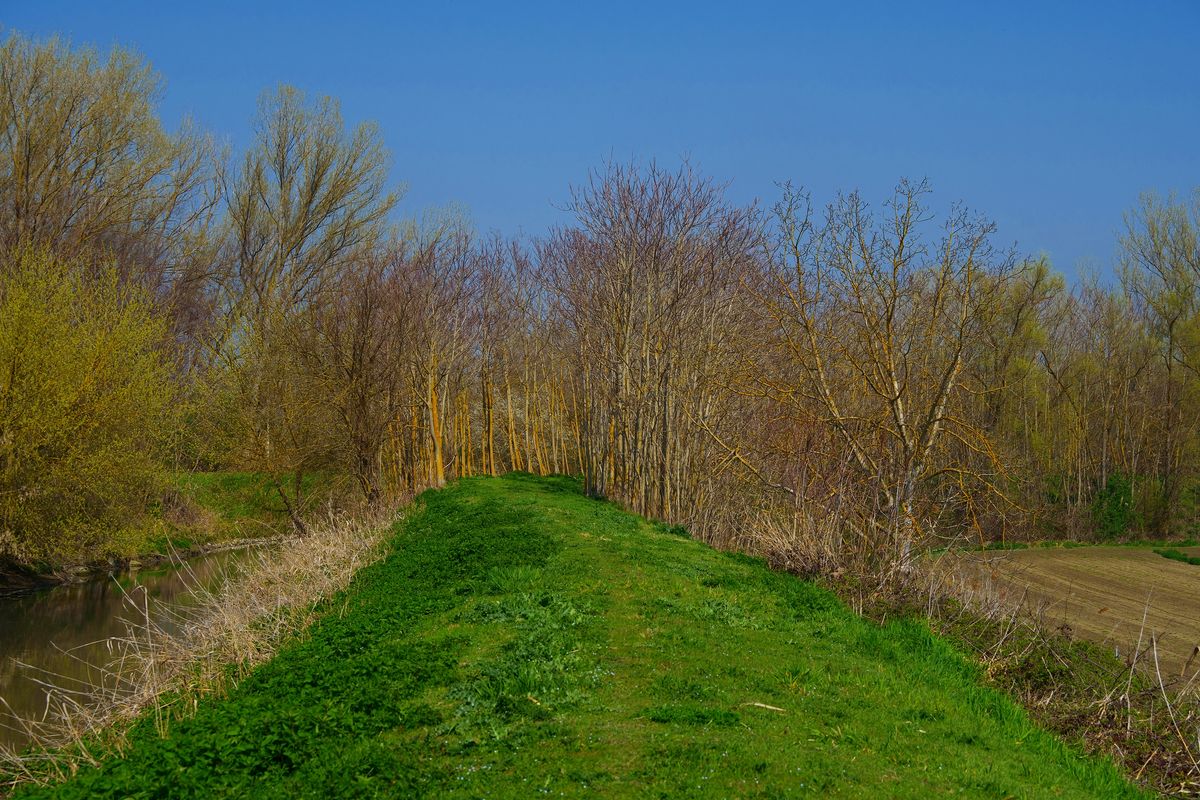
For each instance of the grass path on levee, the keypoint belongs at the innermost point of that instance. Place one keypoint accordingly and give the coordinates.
(522, 639)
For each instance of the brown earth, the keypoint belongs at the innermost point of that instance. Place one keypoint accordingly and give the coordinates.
(1109, 595)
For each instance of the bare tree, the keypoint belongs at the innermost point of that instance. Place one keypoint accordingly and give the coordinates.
(1161, 273)
(309, 198)
(878, 321)
(648, 285)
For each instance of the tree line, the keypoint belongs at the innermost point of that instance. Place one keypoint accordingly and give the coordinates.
(834, 385)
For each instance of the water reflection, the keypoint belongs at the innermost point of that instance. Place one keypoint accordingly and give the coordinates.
(64, 630)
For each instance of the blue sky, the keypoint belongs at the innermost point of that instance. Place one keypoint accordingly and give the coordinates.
(1049, 117)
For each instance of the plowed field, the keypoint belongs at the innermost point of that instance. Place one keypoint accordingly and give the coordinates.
(1107, 594)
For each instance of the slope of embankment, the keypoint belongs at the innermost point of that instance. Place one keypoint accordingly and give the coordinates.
(521, 639)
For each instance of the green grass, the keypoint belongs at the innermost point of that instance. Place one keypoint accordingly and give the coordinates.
(245, 503)
(231, 495)
(1178, 555)
(523, 640)
(1068, 544)
(208, 507)
(235, 496)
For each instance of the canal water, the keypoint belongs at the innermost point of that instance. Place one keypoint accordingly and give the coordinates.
(62, 634)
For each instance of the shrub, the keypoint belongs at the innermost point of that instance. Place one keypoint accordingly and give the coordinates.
(86, 401)
(1112, 507)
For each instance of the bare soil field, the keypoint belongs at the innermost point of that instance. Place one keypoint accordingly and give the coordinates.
(1110, 595)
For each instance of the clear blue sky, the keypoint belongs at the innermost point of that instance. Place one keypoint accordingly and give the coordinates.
(1050, 116)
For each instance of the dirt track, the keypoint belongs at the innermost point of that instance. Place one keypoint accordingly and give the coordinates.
(1102, 594)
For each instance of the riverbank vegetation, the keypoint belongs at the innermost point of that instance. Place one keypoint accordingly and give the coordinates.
(187, 514)
(520, 637)
(165, 665)
(840, 388)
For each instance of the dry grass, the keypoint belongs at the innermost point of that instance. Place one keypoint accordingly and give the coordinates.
(221, 635)
(870, 574)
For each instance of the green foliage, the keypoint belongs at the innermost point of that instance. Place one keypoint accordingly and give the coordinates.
(86, 403)
(231, 495)
(1179, 555)
(1112, 507)
(522, 639)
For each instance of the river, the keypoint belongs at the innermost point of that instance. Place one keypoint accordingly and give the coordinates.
(64, 632)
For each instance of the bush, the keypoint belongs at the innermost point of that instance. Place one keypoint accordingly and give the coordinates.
(1112, 507)
(86, 401)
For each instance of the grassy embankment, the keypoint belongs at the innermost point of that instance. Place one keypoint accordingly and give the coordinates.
(522, 639)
